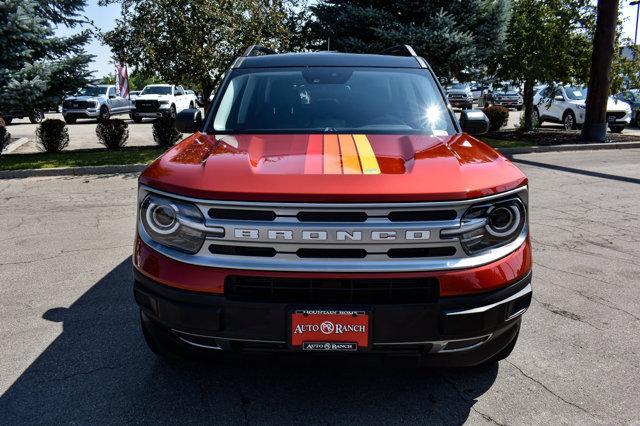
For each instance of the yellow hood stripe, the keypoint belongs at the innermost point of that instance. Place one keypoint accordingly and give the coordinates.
(368, 159)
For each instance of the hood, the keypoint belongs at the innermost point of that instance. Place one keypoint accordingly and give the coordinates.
(82, 98)
(153, 97)
(332, 168)
(612, 104)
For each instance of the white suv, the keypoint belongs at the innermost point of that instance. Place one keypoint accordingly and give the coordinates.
(566, 105)
(160, 100)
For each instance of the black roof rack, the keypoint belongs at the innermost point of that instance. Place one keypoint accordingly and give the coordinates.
(256, 50)
(400, 50)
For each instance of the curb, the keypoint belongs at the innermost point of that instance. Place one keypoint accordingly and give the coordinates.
(73, 171)
(572, 147)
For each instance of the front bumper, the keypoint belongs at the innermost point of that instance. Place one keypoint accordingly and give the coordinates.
(163, 111)
(462, 330)
(87, 113)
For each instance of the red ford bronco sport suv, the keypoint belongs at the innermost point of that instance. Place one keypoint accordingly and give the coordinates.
(333, 202)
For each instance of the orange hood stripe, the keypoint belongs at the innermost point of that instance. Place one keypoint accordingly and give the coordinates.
(350, 159)
(332, 160)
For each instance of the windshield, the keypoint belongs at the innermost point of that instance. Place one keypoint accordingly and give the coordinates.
(156, 90)
(460, 86)
(576, 93)
(332, 100)
(92, 91)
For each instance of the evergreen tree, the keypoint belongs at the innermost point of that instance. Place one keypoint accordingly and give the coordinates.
(36, 67)
(455, 37)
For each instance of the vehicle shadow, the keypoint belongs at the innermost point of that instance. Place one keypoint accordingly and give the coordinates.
(98, 370)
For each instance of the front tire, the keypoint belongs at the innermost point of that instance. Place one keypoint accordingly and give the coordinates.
(104, 114)
(36, 117)
(569, 121)
(616, 129)
(172, 111)
(535, 116)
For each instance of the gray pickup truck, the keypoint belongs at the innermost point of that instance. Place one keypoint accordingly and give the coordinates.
(100, 102)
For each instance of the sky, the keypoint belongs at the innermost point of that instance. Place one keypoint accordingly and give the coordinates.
(104, 18)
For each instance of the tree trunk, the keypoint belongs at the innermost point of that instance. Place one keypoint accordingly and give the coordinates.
(527, 99)
(595, 123)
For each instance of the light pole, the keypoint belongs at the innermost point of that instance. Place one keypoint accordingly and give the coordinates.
(636, 3)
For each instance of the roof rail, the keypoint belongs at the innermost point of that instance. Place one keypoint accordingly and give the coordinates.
(400, 50)
(256, 49)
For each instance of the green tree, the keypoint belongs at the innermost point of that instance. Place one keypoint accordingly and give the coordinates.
(548, 41)
(192, 42)
(455, 37)
(36, 67)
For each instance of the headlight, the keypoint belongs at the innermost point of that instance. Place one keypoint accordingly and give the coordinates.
(173, 223)
(163, 102)
(490, 225)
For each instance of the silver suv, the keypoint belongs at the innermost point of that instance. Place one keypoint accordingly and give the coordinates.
(99, 102)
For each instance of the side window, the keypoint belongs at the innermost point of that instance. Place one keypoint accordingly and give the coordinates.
(179, 91)
(558, 92)
(112, 91)
(545, 92)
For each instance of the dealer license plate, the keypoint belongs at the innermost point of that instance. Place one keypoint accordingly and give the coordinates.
(330, 330)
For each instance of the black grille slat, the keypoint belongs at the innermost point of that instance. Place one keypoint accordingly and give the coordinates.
(332, 216)
(421, 252)
(332, 253)
(242, 250)
(422, 215)
(287, 290)
(79, 104)
(236, 214)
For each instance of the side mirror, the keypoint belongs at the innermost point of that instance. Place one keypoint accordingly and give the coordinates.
(559, 98)
(189, 120)
(474, 122)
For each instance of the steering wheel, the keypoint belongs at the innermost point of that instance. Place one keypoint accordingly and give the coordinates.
(388, 119)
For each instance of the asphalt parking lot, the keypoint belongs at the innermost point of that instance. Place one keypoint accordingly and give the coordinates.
(73, 352)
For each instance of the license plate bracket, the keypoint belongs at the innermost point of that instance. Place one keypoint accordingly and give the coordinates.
(330, 329)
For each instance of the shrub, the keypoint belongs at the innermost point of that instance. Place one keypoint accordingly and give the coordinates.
(112, 133)
(5, 136)
(165, 133)
(498, 117)
(52, 135)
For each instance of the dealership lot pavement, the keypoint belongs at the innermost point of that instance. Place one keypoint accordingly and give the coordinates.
(72, 350)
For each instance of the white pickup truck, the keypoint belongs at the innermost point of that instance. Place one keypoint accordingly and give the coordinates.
(160, 100)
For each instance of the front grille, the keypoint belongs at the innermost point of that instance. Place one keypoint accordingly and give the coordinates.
(69, 104)
(618, 115)
(147, 106)
(337, 291)
(332, 237)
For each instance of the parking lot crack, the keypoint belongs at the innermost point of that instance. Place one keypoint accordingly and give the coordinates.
(470, 403)
(566, 401)
(564, 313)
(82, 373)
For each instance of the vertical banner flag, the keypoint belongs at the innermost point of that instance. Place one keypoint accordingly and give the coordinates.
(122, 81)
